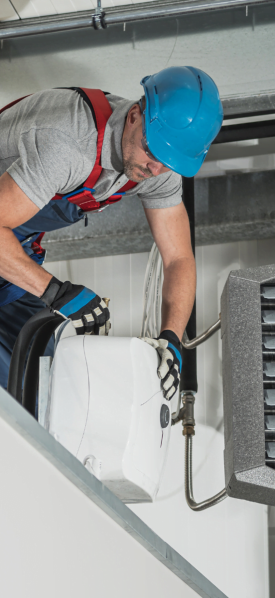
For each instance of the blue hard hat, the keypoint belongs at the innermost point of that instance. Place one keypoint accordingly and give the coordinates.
(182, 116)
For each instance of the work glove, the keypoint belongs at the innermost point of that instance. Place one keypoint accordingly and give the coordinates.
(88, 312)
(169, 349)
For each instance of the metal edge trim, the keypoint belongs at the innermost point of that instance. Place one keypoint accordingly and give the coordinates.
(25, 425)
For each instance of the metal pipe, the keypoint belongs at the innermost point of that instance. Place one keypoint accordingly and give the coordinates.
(188, 423)
(44, 25)
(175, 414)
(152, 10)
(205, 504)
(187, 344)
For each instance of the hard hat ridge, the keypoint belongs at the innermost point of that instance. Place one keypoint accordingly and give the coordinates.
(183, 115)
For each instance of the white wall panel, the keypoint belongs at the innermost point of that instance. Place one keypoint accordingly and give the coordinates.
(121, 303)
(228, 543)
(138, 263)
(118, 277)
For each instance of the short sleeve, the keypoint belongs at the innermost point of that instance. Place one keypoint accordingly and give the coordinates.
(49, 162)
(164, 191)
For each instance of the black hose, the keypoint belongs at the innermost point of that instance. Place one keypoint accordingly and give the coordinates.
(188, 379)
(21, 348)
(32, 368)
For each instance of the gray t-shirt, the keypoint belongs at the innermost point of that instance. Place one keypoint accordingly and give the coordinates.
(48, 145)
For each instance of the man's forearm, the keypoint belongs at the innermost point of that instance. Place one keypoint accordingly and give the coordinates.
(178, 294)
(17, 267)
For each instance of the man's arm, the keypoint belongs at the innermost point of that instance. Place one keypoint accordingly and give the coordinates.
(87, 310)
(171, 231)
(15, 265)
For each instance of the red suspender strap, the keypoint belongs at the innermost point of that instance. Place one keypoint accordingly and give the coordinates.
(128, 186)
(103, 111)
(36, 247)
(117, 197)
(84, 198)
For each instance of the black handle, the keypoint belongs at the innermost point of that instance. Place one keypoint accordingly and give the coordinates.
(42, 324)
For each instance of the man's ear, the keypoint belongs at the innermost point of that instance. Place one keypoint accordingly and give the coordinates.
(134, 115)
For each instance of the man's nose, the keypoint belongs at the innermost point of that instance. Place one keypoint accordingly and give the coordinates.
(155, 167)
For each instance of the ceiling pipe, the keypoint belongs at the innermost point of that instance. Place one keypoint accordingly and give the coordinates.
(115, 16)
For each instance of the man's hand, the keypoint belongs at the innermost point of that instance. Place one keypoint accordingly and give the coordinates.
(88, 312)
(169, 349)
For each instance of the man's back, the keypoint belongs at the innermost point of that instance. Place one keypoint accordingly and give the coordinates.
(48, 145)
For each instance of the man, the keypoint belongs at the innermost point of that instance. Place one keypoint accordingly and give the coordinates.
(54, 140)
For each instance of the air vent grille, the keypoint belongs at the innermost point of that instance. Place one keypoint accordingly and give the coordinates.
(268, 348)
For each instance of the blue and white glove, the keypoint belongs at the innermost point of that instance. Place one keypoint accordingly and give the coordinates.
(169, 349)
(88, 312)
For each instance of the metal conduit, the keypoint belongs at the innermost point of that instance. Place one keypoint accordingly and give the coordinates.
(191, 344)
(152, 10)
(205, 504)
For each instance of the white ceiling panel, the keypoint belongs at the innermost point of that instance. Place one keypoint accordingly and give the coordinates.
(63, 6)
(117, 2)
(107, 3)
(84, 4)
(7, 13)
(34, 8)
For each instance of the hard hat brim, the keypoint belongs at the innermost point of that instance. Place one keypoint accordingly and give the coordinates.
(179, 163)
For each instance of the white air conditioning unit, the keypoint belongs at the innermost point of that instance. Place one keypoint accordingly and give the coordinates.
(107, 408)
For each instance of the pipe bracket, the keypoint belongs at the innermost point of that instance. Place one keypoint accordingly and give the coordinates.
(98, 20)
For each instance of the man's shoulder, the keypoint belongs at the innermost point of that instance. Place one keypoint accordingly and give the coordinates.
(62, 109)
(163, 183)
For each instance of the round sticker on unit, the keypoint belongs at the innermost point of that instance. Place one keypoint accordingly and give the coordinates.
(164, 416)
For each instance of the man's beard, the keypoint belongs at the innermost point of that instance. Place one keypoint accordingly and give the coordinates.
(129, 169)
(129, 165)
